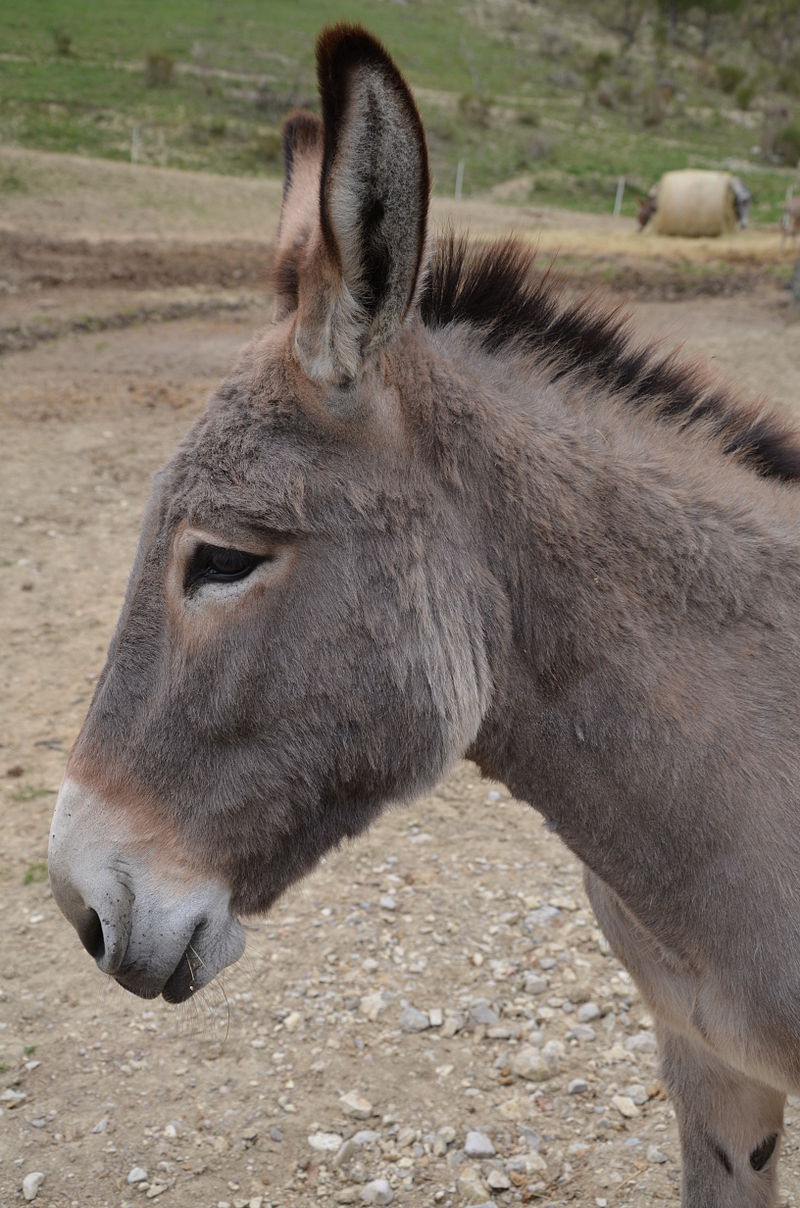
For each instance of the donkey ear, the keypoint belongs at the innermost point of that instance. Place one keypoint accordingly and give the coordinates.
(373, 203)
(302, 166)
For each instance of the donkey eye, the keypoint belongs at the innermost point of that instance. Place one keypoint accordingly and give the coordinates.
(216, 563)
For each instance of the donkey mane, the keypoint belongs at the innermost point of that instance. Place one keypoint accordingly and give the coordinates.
(493, 288)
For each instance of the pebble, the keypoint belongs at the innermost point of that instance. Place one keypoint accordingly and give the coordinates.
(377, 1192)
(355, 1105)
(498, 1180)
(373, 1005)
(470, 1185)
(481, 1013)
(655, 1155)
(412, 1020)
(578, 1086)
(325, 1142)
(531, 1064)
(366, 1136)
(137, 1175)
(478, 1145)
(625, 1106)
(31, 1184)
(588, 1011)
(388, 903)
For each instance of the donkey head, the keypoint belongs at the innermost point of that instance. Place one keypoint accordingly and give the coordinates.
(304, 634)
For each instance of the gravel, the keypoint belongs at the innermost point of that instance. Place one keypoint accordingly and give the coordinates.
(390, 1068)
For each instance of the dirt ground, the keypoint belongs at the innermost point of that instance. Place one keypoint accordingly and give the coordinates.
(416, 967)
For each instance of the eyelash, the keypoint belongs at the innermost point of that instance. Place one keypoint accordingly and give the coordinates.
(220, 564)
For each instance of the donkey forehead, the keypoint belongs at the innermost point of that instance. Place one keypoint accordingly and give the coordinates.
(258, 457)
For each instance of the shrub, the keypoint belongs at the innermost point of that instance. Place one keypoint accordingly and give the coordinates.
(788, 80)
(62, 43)
(158, 69)
(653, 107)
(625, 91)
(553, 44)
(730, 76)
(786, 144)
(529, 117)
(474, 108)
(605, 96)
(744, 94)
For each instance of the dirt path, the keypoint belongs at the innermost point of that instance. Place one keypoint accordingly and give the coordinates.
(462, 908)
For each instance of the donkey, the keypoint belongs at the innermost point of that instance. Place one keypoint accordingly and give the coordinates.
(438, 511)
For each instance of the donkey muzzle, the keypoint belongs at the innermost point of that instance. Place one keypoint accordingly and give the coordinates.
(154, 931)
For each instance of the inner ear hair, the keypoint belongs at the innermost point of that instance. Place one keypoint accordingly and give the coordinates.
(302, 163)
(375, 182)
(301, 135)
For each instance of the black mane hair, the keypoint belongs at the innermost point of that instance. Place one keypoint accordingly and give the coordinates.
(495, 289)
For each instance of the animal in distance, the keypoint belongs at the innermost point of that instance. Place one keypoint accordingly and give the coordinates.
(436, 511)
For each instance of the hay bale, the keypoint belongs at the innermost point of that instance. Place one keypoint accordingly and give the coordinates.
(694, 203)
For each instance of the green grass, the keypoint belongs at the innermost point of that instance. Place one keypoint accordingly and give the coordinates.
(35, 873)
(30, 792)
(492, 91)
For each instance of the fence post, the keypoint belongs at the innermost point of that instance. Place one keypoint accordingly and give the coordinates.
(618, 198)
(459, 179)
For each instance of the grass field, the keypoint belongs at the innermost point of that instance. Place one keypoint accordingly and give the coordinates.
(539, 104)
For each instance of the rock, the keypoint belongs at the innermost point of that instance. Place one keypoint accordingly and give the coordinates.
(156, 1189)
(348, 1195)
(137, 1175)
(516, 1108)
(588, 1011)
(453, 1023)
(31, 1184)
(387, 902)
(498, 1180)
(578, 1086)
(528, 1164)
(355, 1105)
(535, 983)
(541, 918)
(582, 1031)
(481, 1013)
(344, 1153)
(471, 1186)
(292, 1021)
(625, 1106)
(373, 1005)
(323, 1142)
(642, 1042)
(436, 1017)
(377, 1192)
(530, 1063)
(412, 1020)
(655, 1155)
(366, 1136)
(478, 1145)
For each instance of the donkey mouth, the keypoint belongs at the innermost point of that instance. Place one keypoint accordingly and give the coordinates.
(202, 959)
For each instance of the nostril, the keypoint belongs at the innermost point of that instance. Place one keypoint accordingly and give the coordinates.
(90, 931)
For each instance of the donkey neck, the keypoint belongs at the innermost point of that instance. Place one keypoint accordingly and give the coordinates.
(634, 565)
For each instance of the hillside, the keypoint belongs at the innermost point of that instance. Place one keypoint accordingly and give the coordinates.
(544, 103)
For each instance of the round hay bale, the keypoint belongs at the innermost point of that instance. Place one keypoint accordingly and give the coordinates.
(693, 203)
